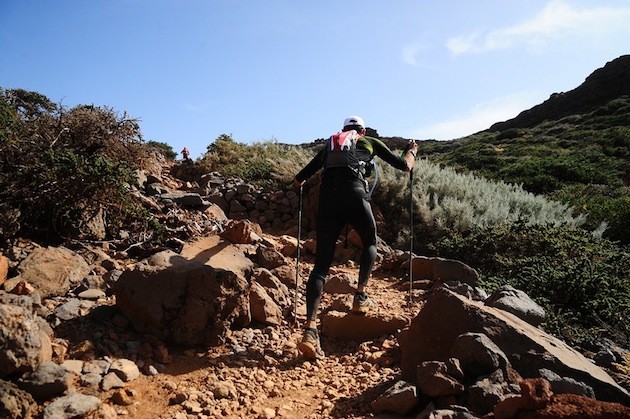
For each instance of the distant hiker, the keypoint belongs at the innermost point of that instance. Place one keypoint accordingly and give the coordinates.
(342, 200)
(185, 154)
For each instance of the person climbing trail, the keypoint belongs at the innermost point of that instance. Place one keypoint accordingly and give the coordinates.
(343, 200)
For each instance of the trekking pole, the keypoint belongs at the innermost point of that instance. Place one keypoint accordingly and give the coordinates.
(410, 236)
(297, 259)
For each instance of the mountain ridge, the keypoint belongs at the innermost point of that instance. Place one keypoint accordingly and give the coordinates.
(602, 85)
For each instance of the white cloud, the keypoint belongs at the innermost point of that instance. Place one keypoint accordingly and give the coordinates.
(410, 54)
(479, 118)
(556, 19)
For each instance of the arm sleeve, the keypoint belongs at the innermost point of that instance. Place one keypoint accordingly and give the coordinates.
(382, 151)
(313, 166)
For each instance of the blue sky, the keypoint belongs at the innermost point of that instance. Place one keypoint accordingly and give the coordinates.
(191, 70)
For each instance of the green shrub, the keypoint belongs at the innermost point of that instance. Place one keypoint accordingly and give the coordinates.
(265, 163)
(446, 201)
(583, 283)
(59, 166)
(165, 149)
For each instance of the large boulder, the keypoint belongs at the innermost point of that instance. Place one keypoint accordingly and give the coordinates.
(218, 253)
(181, 300)
(24, 340)
(53, 270)
(446, 315)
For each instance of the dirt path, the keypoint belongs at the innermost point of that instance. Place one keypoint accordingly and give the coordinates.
(260, 373)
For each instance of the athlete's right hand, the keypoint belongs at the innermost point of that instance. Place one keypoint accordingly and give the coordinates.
(297, 183)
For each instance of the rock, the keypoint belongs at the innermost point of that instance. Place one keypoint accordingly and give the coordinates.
(434, 380)
(73, 365)
(125, 369)
(445, 316)
(478, 355)
(263, 308)
(92, 294)
(21, 287)
(269, 257)
(454, 270)
(340, 283)
(47, 381)
(122, 397)
(400, 398)
(185, 199)
(78, 405)
(585, 407)
(24, 341)
(183, 301)
(536, 393)
(218, 253)
(562, 385)
(15, 403)
(353, 327)
(422, 267)
(4, 269)
(242, 231)
(98, 366)
(484, 395)
(92, 380)
(93, 225)
(275, 288)
(224, 390)
(215, 212)
(53, 270)
(69, 310)
(110, 381)
(288, 245)
(518, 303)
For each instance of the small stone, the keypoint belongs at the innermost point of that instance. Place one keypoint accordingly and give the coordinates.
(127, 370)
(91, 379)
(92, 294)
(122, 397)
(111, 381)
(268, 413)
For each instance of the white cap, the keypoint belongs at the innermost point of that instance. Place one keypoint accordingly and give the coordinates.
(354, 120)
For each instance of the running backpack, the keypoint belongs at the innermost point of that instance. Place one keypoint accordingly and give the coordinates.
(341, 152)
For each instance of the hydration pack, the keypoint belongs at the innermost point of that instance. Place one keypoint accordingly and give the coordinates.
(341, 152)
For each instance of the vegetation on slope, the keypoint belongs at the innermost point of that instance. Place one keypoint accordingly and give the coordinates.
(583, 160)
(60, 167)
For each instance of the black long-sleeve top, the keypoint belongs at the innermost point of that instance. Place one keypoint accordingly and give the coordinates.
(366, 148)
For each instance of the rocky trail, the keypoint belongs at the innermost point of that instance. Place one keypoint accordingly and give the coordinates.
(203, 327)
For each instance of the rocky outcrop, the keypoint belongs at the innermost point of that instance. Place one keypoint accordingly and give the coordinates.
(219, 254)
(53, 270)
(446, 315)
(603, 85)
(182, 301)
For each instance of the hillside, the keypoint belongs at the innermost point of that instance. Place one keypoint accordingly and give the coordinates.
(574, 147)
(602, 86)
